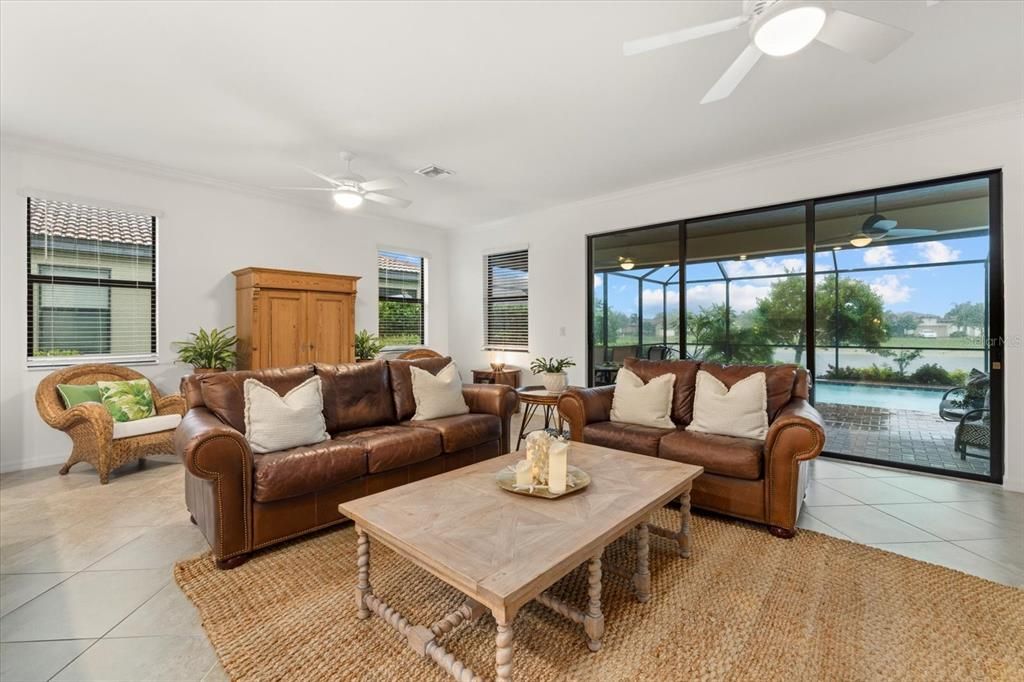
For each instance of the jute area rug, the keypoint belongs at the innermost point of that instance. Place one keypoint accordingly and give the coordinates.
(746, 606)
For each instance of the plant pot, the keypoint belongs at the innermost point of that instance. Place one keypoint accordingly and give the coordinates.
(555, 382)
(199, 371)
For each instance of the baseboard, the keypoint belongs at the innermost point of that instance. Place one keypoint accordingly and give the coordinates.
(32, 463)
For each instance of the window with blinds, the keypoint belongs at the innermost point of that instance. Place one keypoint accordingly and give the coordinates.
(507, 300)
(91, 284)
(401, 281)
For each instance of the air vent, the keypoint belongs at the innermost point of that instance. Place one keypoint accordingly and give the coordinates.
(434, 171)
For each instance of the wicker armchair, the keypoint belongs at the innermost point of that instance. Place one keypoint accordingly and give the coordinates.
(90, 426)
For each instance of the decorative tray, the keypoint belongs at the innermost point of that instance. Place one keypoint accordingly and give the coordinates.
(577, 479)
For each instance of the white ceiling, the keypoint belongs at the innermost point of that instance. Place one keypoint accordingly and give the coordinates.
(532, 104)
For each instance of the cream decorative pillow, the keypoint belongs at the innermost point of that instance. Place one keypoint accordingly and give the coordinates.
(274, 422)
(437, 395)
(645, 404)
(738, 411)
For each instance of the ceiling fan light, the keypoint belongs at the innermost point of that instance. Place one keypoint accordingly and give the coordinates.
(626, 263)
(346, 198)
(790, 31)
(860, 240)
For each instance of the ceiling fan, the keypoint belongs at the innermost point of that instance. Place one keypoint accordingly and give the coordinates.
(784, 27)
(877, 228)
(349, 190)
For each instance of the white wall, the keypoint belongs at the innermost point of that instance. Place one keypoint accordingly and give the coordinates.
(982, 140)
(205, 231)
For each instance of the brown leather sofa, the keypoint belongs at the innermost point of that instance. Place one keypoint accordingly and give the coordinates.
(244, 501)
(750, 479)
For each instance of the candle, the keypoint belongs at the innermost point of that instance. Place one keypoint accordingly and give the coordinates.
(558, 466)
(524, 473)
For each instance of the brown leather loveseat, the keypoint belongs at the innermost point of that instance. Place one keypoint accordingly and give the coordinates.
(750, 479)
(244, 501)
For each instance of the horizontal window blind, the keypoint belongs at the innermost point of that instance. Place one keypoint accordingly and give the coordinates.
(401, 280)
(91, 284)
(506, 300)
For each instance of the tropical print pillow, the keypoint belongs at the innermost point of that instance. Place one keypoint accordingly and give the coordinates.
(127, 401)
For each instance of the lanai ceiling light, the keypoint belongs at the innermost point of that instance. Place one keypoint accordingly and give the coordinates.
(780, 28)
(626, 263)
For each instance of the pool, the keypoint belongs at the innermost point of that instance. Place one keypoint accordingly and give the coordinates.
(893, 398)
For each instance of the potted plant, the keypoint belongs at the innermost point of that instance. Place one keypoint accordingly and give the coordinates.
(367, 346)
(208, 351)
(552, 371)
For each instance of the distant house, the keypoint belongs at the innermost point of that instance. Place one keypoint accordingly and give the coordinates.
(933, 328)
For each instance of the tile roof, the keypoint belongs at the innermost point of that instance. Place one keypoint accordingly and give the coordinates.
(77, 221)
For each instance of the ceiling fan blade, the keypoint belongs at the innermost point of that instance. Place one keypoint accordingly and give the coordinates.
(865, 38)
(326, 178)
(386, 200)
(382, 183)
(732, 77)
(909, 232)
(632, 47)
(309, 189)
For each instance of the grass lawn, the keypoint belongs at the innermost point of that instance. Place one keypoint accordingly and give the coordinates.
(918, 342)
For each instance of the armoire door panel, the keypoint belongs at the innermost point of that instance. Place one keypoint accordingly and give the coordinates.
(283, 330)
(329, 319)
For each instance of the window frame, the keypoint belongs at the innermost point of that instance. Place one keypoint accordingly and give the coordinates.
(488, 343)
(34, 361)
(421, 300)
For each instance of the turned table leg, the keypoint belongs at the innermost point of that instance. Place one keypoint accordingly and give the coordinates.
(503, 652)
(684, 525)
(363, 579)
(642, 576)
(593, 619)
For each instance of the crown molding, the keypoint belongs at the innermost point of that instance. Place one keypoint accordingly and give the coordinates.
(59, 150)
(1013, 111)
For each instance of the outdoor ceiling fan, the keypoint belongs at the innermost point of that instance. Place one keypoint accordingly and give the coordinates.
(877, 228)
(783, 27)
(349, 190)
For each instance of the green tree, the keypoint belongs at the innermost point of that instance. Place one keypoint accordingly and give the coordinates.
(398, 322)
(779, 316)
(900, 324)
(902, 358)
(965, 315)
(706, 335)
(856, 319)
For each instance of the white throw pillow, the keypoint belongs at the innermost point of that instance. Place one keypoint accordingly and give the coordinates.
(647, 404)
(273, 422)
(738, 411)
(438, 395)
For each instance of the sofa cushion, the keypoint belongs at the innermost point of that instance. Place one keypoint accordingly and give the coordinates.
(140, 427)
(224, 396)
(401, 382)
(723, 455)
(279, 422)
(647, 404)
(437, 395)
(306, 469)
(682, 391)
(462, 431)
(740, 410)
(356, 395)
(780, 380)
(628, 437)
(393, 447)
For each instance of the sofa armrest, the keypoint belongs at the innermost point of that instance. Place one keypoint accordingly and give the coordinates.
(497, 399)
(797, 434)
(214, 452)
(582, 406)
(170, 404)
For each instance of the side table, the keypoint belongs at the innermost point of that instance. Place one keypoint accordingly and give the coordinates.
(534, 397)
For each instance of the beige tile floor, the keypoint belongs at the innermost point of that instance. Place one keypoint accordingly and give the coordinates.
(86, 591)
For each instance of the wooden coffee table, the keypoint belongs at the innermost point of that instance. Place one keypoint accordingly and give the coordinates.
(502, 550)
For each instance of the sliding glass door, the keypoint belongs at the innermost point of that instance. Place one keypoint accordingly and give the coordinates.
(891, 298)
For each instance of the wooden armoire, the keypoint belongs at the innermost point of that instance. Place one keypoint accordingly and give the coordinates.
(286, 318)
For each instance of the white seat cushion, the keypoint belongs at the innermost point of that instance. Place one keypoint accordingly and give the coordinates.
(644, 404)
(438, 396)
(741, 410)
(140, 427)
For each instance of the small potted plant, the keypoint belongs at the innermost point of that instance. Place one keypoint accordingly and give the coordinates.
(552, 371)
(208, 351)
(367, 346)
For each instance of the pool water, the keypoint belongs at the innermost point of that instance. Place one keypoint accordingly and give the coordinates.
(893, 398)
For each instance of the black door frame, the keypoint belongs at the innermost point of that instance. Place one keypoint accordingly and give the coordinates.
(996, 317)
